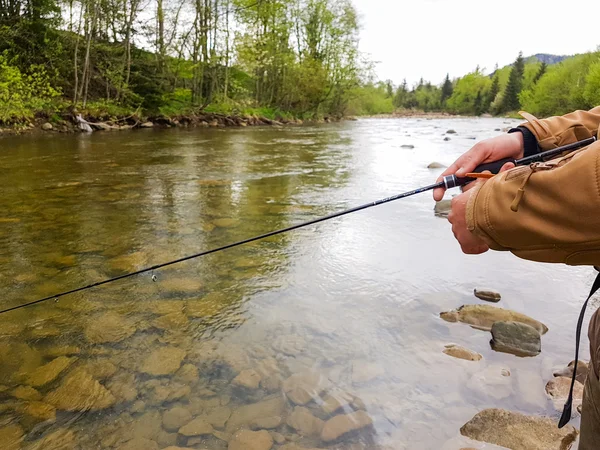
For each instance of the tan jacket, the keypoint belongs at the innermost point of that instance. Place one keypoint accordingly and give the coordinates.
(547, 212)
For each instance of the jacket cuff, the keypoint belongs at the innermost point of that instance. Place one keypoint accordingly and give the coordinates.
(530, 143)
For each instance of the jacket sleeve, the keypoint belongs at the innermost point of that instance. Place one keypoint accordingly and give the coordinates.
(556, 131)
(547, 212)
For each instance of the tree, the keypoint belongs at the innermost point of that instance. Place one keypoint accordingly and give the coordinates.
(446, 90)
(389, 87)
(510, 101)
(492, 93)
(540, 73)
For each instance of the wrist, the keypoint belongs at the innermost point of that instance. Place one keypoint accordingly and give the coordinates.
(527, 141)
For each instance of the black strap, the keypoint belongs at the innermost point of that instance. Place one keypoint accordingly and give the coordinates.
(566, 414)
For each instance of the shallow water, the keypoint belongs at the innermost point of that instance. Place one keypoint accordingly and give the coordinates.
(355, 300)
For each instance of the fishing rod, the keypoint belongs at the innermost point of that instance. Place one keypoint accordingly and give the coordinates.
(448, 182)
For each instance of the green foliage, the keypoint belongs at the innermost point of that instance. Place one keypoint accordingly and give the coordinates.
(540, 73)
(23, 94)
(564, 87)
(468, 89)
(447, 90)
(370, 100)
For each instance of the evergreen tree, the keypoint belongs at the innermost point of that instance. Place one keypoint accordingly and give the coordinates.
(389, 89)
(492, 93)
(510, 101)
(478, 106)
(446, 90)
(540, 72)
(401, 95)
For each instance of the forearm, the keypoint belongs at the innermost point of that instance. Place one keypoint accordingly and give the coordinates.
(557, 218)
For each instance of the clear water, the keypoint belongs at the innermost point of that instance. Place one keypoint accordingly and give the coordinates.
(355, 299)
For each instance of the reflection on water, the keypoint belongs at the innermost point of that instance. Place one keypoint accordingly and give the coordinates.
(326, 337)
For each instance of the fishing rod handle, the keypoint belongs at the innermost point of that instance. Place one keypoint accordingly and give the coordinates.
(451, 181)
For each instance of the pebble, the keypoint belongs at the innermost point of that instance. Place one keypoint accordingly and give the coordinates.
(435, 165)
(251, 440)
(461, 352)
(247, 378)
(488, 296)
(196, 427)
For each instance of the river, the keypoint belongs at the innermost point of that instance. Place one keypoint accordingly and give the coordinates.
(349, 307)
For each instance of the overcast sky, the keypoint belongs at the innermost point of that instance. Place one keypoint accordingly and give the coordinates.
(414, 38)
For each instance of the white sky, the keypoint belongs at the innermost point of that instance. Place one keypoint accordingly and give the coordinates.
(414, 38)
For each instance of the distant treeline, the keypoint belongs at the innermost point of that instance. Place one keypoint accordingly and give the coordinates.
(530, 85)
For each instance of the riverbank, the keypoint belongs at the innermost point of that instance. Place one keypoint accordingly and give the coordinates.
(69, 123)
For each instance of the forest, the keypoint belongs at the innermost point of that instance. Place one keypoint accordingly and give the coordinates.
(170, 57)
(273, 58)
(527, 84)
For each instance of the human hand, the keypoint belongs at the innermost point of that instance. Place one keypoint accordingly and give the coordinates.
(469, 243)
(489, 150)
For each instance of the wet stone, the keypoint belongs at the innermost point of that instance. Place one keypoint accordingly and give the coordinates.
(461, 352)
(225, 222)
(304, 422)
(290, 345)
(10, 437)
(516, 338)
(482, 317)
(188, 373)
(171, 321)
(100, 368)
(79, 391)
(180, 285)
(335, 401)
(61, 439)
(127, 263)
(488, 296)
(35, 412)
(175, 418)
(108, 327)
(49, 372)
(517, 431)
(558, 389)
(303, 387)
(442, 208)
(166, 439)
(26, 393)
(138, 407)
(278, 438)
(244, 415)
(61, 350)
(582, 371)
(123, 387)
(139, 443)
(266, 423)
(163, 361)
(248, 379)
(492, 382)
(196, 427)
(251, 440)
(338, 426)
(218, 416)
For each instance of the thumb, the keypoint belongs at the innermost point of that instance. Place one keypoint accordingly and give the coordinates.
(507, 166)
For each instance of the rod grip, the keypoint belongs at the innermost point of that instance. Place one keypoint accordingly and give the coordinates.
(493, 167)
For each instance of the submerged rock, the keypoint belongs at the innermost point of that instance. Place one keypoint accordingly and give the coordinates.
(247, 378)
(492, 382)
(304, 422)
(26, 393)
(442, 208)
(218, 416)
(516, 338)
(365, 371)
(175, 418)
(303, 387)
(518, 431)
(225, 222)
(108, 327)
(163, 361)
(244, 415)
(79, 391)
(251, 440)
(197, 427)
(582, 371)
(266, 423)
(139, 443)
(49, 372)
(10, 436)
(340, 425)
(461, 352)
(482, 317)
(435, 165)
(558, 389)
(61, 439)
(34, 412)
(488, 296)
(336, 400)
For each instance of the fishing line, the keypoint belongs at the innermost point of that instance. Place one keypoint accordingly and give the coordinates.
(447, 182)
